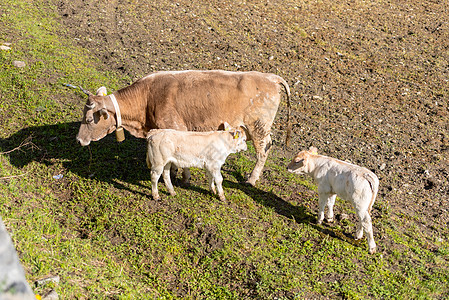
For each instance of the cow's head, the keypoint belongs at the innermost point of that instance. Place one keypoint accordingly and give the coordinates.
(97, 122)
(300, 163)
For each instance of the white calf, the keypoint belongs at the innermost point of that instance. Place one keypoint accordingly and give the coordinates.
(185, 149)
(347, 181)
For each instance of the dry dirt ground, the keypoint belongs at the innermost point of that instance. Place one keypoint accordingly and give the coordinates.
(369, 79)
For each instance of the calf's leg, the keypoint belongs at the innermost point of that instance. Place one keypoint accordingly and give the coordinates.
(210, 180)
(322, 201)
(167, 180)
(156, 172)
(330, 206)
(367, 226)
(218, 181)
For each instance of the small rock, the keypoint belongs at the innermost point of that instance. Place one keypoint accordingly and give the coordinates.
(342, 217)
(271, 57)
(4, 47)
(46, 280)
(316, 97)
(51, 295)
(19, 64)
(382, 166)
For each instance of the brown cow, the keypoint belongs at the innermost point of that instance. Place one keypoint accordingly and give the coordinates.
(191, 101)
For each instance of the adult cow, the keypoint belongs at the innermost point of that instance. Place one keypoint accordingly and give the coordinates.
(193, 101)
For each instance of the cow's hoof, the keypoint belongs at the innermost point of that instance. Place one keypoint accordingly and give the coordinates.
(372, 250)
(250, 182)
(330, 220)
(185, 183)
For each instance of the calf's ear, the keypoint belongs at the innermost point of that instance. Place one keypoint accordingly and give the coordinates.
(236, 134)
(313, 150)
(227, 127)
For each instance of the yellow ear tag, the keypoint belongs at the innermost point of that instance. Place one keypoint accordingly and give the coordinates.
(314, 153)
(236, 135)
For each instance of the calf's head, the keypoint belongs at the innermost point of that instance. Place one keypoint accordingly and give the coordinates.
(300, 163)
(96, 122)
(239, 140)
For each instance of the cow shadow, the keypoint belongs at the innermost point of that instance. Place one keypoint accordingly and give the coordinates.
(105, 160)
(119, 163)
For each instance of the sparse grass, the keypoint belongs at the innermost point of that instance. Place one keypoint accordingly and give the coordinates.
(100, 231)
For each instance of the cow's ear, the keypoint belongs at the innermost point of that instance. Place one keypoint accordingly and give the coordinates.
(102, 91)
(104, 113)
(299, 162)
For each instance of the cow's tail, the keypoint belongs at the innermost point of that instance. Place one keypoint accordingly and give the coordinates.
(284, 83)
(374, 184)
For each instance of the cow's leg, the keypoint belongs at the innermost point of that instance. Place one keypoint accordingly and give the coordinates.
(330, 206)
(156, 172)
(262, 146)
(210, 180)
(167, 180)
(322, 201)
(185, 176)
(366, 224)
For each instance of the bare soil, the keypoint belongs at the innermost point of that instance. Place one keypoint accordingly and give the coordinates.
(369, 79)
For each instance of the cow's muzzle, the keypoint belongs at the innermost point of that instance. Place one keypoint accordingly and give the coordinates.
(82, 142)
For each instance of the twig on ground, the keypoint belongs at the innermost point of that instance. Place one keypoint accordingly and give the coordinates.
(14, 176)
(24, 143)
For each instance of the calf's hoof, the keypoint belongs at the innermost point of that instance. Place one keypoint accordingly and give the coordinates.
(319, 222)
(330, 220)
(372, 250)
(358, 236)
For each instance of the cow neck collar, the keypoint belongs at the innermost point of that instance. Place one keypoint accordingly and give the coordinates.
(117, 110)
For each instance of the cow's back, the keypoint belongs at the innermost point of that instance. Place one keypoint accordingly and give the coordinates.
(203, 100)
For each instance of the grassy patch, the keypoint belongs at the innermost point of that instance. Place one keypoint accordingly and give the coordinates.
(99, 230)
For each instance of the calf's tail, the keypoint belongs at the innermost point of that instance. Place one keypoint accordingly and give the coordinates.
(374, 184)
